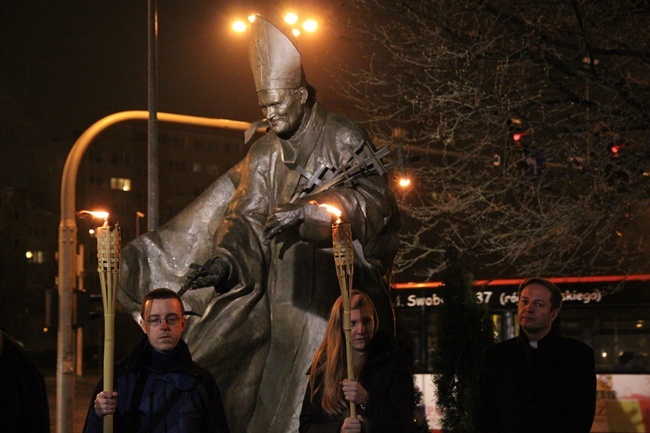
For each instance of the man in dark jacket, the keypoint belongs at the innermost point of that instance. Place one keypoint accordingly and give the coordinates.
(158, 388)
(538, 381)
(23, 401)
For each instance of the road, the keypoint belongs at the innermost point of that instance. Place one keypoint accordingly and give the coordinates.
(84, 387)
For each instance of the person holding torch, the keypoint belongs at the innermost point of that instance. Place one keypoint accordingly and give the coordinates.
(158, 387)
(383, 391)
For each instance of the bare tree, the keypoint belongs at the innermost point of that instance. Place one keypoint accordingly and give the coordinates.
(457, 82)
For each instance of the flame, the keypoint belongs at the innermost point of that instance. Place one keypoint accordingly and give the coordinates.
(96, 214)
(330, 208)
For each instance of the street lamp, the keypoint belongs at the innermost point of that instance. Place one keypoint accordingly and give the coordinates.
(403, 178)
(309, 25)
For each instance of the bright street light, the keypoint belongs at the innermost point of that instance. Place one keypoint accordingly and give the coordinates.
(404, 182)
(291, 18)
(239, 26)
(309, 25)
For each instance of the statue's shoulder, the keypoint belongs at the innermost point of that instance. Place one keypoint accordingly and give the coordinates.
(263, 146)
(346, 133)
(340, 122)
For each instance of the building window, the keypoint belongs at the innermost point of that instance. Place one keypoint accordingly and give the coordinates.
(35, 257)
(120, 183)
(119, 159)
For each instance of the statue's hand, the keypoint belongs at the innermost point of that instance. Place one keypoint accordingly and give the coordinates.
(211, 274)
(284, 216)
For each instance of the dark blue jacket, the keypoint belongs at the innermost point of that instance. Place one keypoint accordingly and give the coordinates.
(148, 382)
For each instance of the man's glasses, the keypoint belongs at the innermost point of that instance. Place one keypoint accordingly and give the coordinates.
(171, 320)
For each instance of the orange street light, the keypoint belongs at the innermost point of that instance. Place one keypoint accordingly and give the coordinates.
(239, 26)
(291, 18)
(310, 25)
(404, 182)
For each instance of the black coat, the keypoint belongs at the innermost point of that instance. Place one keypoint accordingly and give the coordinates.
(551, 389)
(389, 383)
(23, 398)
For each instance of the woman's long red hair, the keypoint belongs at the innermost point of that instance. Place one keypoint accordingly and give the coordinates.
(329, 363)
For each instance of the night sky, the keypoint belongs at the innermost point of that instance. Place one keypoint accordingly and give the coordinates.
(64, 64)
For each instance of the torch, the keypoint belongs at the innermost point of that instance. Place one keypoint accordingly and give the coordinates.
(108, 258)
(344, 262)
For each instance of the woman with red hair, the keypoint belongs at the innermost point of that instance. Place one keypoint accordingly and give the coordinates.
(383, 387)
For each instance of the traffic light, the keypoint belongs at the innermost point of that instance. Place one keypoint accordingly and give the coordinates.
(615, 149)
(51, 309)
(518, 137)
(86, 308)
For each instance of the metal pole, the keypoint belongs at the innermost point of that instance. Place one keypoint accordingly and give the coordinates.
(152, 169)
(79, 370)
(67, 244)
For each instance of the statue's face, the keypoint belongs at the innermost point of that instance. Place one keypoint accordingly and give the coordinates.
(284, 109)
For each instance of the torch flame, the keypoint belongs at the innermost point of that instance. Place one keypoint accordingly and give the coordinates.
(95, 214)
(331, 209)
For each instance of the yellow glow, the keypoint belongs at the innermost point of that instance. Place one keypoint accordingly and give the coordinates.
(295, 32)
(100, 214)
(404, 182)
(251, 18)
(310, 26)
(239, 26)
(291, 18)
(332, 209)
(29, 254)
(91, 232)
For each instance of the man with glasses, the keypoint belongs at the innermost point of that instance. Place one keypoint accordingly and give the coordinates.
(538, 382)
(158, 387)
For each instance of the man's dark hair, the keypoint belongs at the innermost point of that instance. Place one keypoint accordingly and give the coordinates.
(556, 293)
(161, 293)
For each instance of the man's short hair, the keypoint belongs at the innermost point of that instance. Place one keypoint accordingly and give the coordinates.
(556, 293)
(161, 293)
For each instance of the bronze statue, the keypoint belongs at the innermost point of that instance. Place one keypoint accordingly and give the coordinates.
(266, 248)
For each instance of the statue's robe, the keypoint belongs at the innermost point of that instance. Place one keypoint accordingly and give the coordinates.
(259, 337)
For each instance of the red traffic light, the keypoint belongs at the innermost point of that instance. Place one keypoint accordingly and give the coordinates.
(517, 136)
(615, 149)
